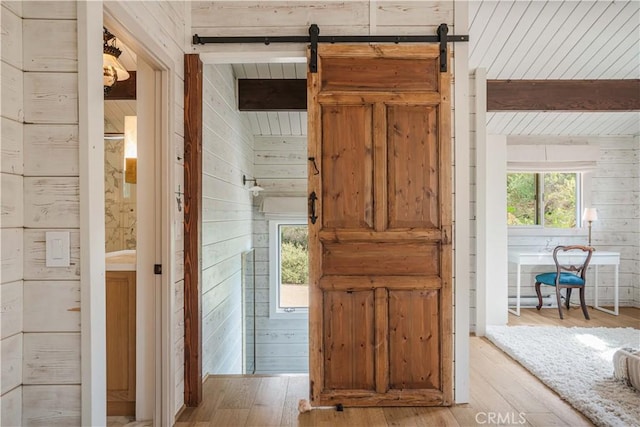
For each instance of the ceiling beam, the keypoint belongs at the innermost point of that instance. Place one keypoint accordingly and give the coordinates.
(272, 94)
(563, 95)
(502, 95)
(124, 90)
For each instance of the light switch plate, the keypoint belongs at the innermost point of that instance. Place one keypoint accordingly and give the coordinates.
(58, 249)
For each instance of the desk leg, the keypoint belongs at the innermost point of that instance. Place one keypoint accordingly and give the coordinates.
(595, 281)
(518, 292)
(615, 293)
(517, 310)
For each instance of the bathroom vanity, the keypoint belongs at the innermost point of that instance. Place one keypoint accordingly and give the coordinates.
(121, 332)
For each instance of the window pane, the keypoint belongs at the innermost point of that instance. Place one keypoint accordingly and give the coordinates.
(560, 193)
(521, 199)
(294, 266)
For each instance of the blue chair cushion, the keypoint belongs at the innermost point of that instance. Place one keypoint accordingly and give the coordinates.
(565, 279)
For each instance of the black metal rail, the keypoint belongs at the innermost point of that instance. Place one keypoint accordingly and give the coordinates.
(314, 38)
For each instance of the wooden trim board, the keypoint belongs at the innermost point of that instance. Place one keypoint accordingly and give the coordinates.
(192, 230)
(272, 94)
(502, 95)
(124, 90)
(563, 95)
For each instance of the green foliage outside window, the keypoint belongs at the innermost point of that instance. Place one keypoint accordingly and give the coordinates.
(521, 199)
(560, 200)
(559, 197)
(294, 255)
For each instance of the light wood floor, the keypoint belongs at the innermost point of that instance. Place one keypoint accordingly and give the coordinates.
(498, 384)
(628, 317)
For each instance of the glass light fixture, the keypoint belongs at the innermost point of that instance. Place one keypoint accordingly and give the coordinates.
(112, 70)
(130, 149)
(256, 189)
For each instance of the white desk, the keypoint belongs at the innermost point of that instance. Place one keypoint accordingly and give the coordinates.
(536, 257)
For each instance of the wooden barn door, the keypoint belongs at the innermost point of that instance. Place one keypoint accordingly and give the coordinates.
(380, 248)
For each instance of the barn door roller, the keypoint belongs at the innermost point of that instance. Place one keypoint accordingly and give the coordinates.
(314, 38)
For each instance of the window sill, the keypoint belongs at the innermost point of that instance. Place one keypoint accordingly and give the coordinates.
(302, 313)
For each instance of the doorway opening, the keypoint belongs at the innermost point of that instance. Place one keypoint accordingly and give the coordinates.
(242, 150)
(120, 189)
(135, 242)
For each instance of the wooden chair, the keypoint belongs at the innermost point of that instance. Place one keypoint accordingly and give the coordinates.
(573, 277)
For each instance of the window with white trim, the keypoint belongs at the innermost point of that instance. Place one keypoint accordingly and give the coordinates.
(288, 268)
(544, 199)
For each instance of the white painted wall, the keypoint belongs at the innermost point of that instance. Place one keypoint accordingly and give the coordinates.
(614, 190)
(294, 17)
(636, 281)
(473, 120)
(462, 274)
(11, 215)
(492, 234)
(226, 220)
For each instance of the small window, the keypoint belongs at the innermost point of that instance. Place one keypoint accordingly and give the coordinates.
(288, 268)
(549, 200)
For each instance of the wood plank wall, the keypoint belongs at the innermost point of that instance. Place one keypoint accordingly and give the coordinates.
(51, 343)
(615, 193)
(40, 305)
(282, 345)
(226, 220)
(289, 18)
(11, 215)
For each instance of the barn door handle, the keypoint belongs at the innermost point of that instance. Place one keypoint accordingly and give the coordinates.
(312, 207)
(313, 160)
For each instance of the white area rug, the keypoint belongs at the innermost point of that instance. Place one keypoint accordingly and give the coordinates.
(577, 364)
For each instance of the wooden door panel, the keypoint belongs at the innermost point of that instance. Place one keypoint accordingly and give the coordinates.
(347, 159)
(380, 321)
(414, 339)
(366, 74)
(349, 340)
(391, 258)
(413, 191)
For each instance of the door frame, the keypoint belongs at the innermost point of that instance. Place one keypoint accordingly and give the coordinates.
(91, 18)
(250, 53)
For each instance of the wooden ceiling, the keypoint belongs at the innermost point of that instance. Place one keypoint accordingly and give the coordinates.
(114, 112)
(274, 123)
(557, 40)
